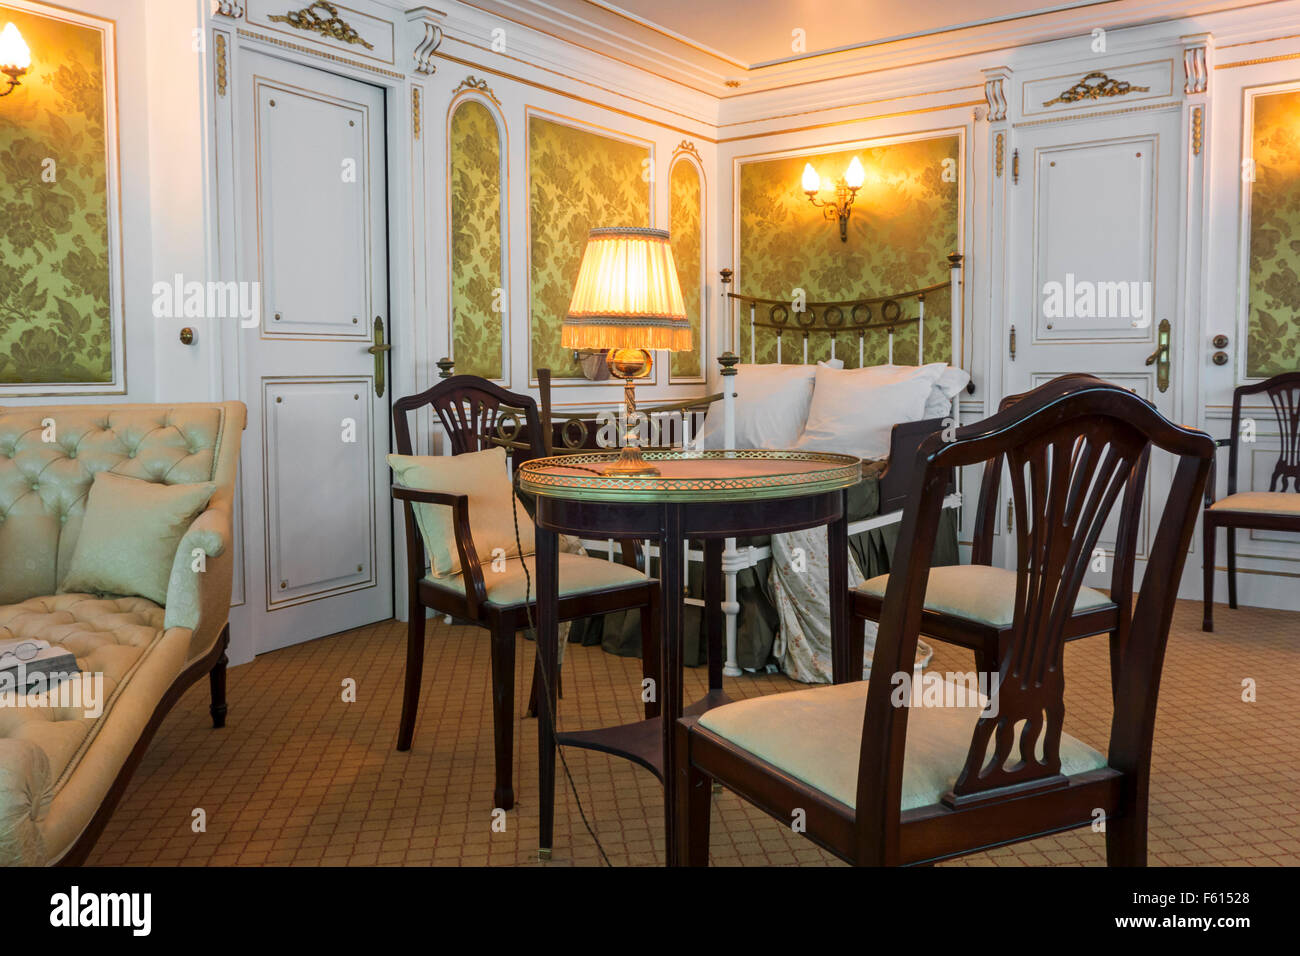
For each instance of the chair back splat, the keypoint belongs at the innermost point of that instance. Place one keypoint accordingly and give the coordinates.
(1073, 447)
(1283, 392)
(476, 414)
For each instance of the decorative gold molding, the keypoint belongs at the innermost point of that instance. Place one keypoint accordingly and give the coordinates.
(1104, 88)
(1258, 61)
(229, 8)
(317, 51)
(999, 149)
(334, 27)
(1066, 117)
(416, 111)
(1198, 123)
(474, 83)
(995, 95)
(686, 146)
(221, 64)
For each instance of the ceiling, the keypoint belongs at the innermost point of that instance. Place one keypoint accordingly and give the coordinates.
(756, 33)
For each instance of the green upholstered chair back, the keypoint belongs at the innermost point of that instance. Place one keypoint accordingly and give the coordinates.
(50, 454)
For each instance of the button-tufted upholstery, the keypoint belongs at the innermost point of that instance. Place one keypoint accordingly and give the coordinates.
(57, 764)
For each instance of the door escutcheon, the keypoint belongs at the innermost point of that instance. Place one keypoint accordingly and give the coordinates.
(1160, 357)
(378, 350)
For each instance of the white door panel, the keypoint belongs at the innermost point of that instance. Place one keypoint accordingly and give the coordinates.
(313, 206)
(1093, 252)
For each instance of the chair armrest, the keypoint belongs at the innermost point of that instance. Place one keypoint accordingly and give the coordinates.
(475, 590)
(198, 591)
(1209, 482)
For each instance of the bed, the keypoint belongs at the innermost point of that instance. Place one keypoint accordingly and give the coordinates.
(755, 409)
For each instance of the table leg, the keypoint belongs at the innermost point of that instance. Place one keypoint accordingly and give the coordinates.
(713, 616)
(670, 663)
(548, 595)
(843, 668)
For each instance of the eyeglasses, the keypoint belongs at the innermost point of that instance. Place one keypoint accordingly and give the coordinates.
(23, 652)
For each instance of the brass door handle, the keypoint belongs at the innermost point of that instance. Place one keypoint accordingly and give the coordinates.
(378, 350)
(1160, 357)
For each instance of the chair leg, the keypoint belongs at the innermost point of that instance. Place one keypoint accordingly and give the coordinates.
(1207, 571)
(414, 677)
(503, 713)
(650, 656)
(217, 685)
(1126, 838)
(1116, 657)
(1232, 568)
(694, 806)
(535, 692)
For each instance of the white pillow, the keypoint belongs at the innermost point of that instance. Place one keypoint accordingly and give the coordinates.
(951, 381)
(771, 407)
(853, 410)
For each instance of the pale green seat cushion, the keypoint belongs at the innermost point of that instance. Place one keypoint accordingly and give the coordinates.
(815, 736)
(130, 534)
(978, 593)
(578, 573)
(483, 477)
(1269, 502)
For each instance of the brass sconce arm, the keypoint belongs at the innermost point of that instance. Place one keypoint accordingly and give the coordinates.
(13, 72)
(839, 208)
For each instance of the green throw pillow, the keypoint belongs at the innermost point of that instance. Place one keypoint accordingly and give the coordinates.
(130, 534)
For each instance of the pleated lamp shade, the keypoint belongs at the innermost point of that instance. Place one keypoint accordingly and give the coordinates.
(627, 295)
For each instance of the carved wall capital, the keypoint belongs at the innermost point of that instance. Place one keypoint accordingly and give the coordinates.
(426, 22)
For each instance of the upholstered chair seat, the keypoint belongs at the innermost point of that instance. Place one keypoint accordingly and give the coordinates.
(1266, 502)
(579, 574)
(815, 736)
(978, 592)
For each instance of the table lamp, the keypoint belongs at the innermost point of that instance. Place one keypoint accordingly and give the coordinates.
(628, 301)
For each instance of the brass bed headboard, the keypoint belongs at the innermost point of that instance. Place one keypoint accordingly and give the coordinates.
(844, 317)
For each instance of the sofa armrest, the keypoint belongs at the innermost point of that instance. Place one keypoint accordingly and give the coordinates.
(198, 592)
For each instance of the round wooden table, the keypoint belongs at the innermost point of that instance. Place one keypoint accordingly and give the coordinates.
(712, 496)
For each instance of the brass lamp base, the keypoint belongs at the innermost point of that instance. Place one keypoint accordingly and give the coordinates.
(629, 365)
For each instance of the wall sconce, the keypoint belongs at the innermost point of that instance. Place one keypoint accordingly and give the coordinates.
(15, 58)
(845, 191)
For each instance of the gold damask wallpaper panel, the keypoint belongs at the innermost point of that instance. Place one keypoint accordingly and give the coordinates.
(685, 216)
(1273, 321)
(578, 180)
(56, 322)
(477, 296)
(905, 222)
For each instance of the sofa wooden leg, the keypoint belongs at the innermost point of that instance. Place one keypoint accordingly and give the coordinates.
(217, 684)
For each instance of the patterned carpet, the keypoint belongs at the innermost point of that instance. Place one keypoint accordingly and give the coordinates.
(301, 777)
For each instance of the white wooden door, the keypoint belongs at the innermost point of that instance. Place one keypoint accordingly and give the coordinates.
(1093, 246)
(314, 225)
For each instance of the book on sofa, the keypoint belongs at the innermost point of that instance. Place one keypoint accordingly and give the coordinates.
(24, 662)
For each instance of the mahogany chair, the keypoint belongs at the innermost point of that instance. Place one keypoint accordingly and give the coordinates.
(1274, 510)
(882, 783)
(479, 415)
(970, 605)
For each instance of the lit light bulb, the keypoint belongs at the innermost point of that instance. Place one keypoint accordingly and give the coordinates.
(855, 175)
(14, 55)
(811, 181)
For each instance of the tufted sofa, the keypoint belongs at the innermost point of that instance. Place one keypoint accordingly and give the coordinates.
(62, 770)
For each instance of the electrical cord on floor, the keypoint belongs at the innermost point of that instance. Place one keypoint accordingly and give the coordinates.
(544, 711)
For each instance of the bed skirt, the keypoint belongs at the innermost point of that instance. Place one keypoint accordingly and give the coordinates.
(757, 623)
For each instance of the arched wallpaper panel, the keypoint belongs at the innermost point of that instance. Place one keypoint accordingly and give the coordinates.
(905, 221)
(686, 225)
(578, 180)
(479, 317)
(1272, 331)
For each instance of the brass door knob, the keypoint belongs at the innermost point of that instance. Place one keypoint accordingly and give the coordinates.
(1220, 358)
(187, 336)
(1220, 341)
